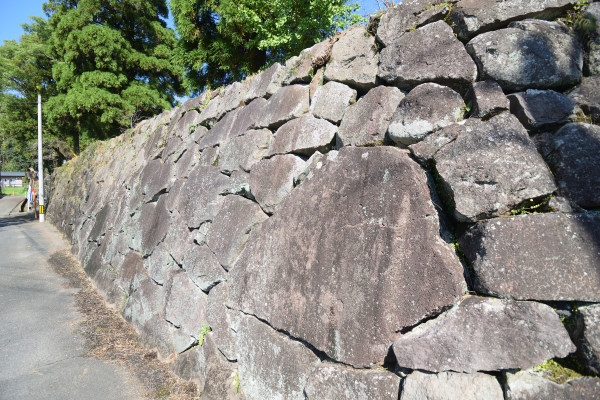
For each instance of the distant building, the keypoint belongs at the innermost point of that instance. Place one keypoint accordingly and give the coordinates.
(12, 179)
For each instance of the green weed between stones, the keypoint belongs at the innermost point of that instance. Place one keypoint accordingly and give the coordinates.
(236, 382)
(556, 372)
(205, 329)
(532, 206)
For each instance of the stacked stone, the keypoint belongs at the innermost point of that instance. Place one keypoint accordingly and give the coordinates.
(290, 235)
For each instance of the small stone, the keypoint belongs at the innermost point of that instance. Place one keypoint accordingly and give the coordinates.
(530, 385)
(542, 109)
(426, 108)
(587, 96)
(303, 136)
(451, 385)
(331, 101)
(486, 99)
(366, 122)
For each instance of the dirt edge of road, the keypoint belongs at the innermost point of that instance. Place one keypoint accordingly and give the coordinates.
(109, 337)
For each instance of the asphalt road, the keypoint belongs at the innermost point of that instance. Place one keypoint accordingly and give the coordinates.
(41, 353)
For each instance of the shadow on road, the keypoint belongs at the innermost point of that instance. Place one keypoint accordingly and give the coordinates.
(19, 219)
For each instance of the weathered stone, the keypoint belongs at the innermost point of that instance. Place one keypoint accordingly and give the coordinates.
(212, 112)
(428, 54)
(203, 267)
(315, 162)
(317, 82)
(196, 103)
(219, 320)
(485, 334)
(491, 168)
(272, 180)
(426, 149)
(191, 366)
(287, 103)
(154, 221)
(575, 160)
(587, 337)
(264, 372)
(592, 62)
(529, 55)
(199, 199)
(239, 185)
(346, 282)
(473, 17)
(146, 301)
(185, 307)
(529, 385)
(300, 69)
(233, 96)
(222, 379)
(451, 385)
(409, 15)
(186, 124)
(266, 83)
(303, 136)
(178, 238)
(332, 381)
(486, 99)
(160, 264)
(426, 108)
(331, 100)
(233, 124)
(209, 156)
(587, 96)
(231, 227)
(242, 152)
(541, 256)
(542, 109)
(366, 122)
(354, 59)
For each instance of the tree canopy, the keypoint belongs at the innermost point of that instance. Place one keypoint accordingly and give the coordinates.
(221, 41)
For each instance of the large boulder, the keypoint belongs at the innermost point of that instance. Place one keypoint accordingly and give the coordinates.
(331, 101)
(364, 258)
(542, 109)
(271, 365)
(541, 256)
(333, 381)
(485, 334)
(303, 136)
(366, 122)
(451, 385)
(354, 59)
(409, 15)
(530, 54)
(574, 156)
(530, 385)
(473, 17)
(491, 167)
(426, 108)
(428, 54)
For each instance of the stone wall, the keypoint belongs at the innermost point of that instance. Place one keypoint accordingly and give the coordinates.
(408, 214)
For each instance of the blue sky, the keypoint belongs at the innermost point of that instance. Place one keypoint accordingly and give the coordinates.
(16, 12)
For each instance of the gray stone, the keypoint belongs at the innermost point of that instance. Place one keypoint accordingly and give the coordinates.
(272, 180)
(425, 150)
(473, 17)
(485, 334)
(587, 337)
(409, 15)
(541, 256)
(233, 96)
(428, 54)
(191, 366)
(239, 185)
(212, 111)
(242, 152)
(154, 220)
(425, 109)
(592, 62)
(266, 83)
(331, 100)
(366, 122)
(287, 103)
(209, 156)
(219, 320)
(486, 99)
(587, 96)
(199, 199)
(315, 162)
(270, 364)
(300, 69)
(354, 59)
(491, 168)
(222, 379)
(196, 103)
(231, 227)
(575, 159)
(451, 385)
(529, 55)
(186, 124)
(529, 385)
(235, 123)
(303, 136)
(203, 267)
(185, 307)
(542, 109)
(147, 300)
(316, 83)
(347, 281)
(160, 264)
(178, 238)
(333, 381)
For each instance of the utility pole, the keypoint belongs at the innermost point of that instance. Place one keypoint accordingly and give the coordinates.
(40, 161)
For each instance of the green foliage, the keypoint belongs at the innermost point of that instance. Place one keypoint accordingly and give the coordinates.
(531, 206)
(556, 372)
(205, 329)
(224, 41)
(236, 382)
